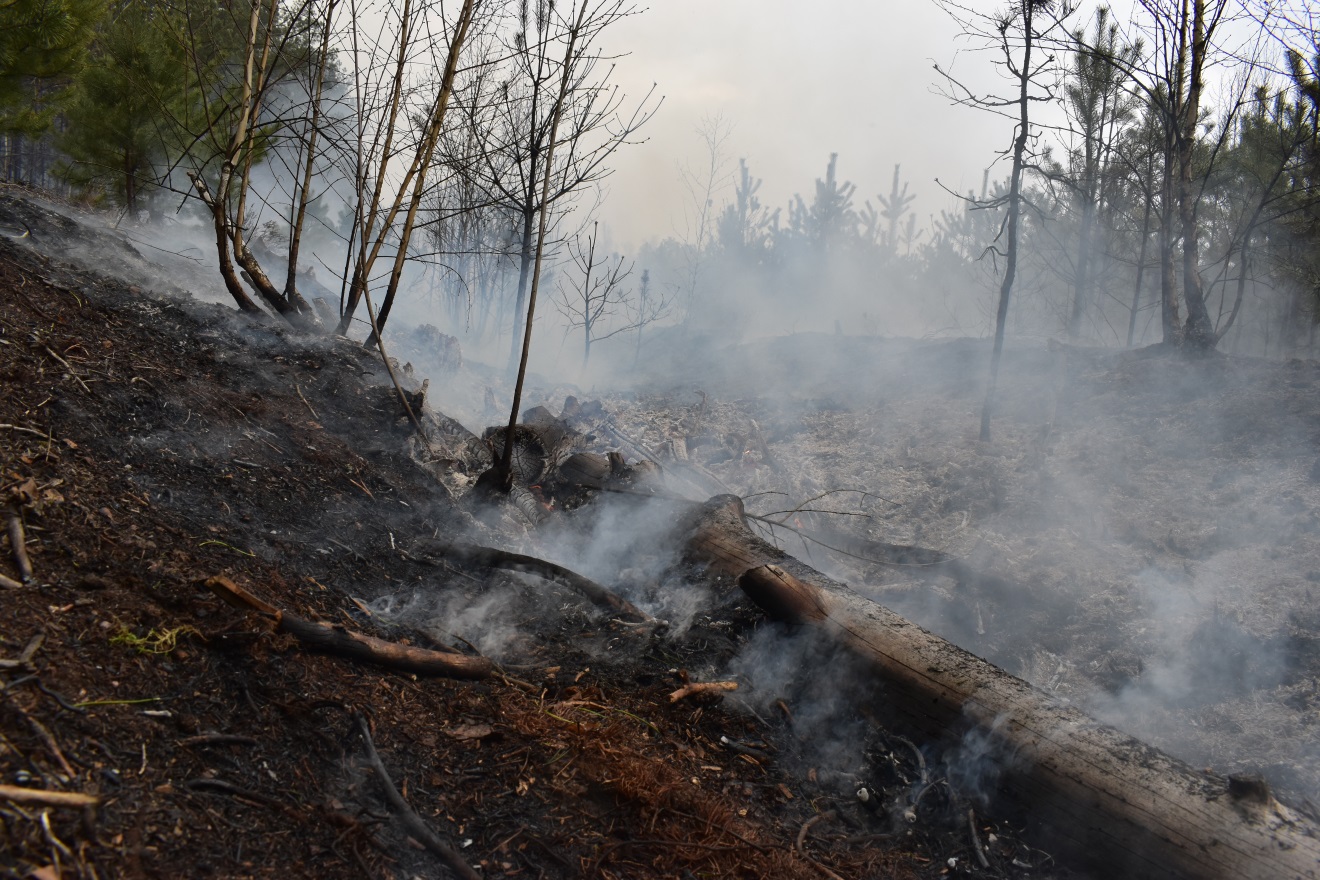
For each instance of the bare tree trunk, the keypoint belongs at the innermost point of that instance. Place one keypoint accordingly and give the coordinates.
(527, 255)
(1199, 331)
(504, 471)
(309, 166)
(1169, 320)
(1081, 285)
(1141, 268)
(1014, 216)
(422, 163)
(367, 215)
(227, 273)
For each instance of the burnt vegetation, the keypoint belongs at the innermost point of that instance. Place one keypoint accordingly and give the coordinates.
(292, 587)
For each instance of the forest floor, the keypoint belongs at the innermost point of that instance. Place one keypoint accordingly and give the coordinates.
(1146, 533)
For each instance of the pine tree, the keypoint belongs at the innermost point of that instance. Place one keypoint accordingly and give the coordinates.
(43, 44)
(122, 127)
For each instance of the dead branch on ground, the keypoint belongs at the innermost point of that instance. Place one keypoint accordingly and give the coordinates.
(600, 596)
(702, 687)
(19, 795)
(327, 638)
(1092, 788)
(413, 822)
(18, 544)
(25, 658)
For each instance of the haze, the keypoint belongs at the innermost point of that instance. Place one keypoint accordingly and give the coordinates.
(798, 82)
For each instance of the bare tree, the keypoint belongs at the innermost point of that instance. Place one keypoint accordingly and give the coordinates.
(513, 124)
(599, 294)
(650, 306)
(503, 472)
(1098, 104)
(1016, 33)
(1185, 39)
(703, 183)
(232, 119)
(407, 136)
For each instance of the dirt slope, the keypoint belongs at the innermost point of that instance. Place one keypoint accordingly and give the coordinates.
(149, 443)
(1142, 537)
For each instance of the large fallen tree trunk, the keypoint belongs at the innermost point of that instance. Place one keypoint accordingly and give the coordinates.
(1105, 796)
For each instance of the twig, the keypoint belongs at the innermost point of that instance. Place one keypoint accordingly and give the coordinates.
(743, 749)
(305, 403)
(824, 870)
(19, 795)
(976, 839)
(50, 351)
(9, 583)
(827, 816)
(389, 368)
(414, 823)
(49, 739)
(18, 545)
(338, 641)
(921, 759)
(219, 785)
(22, 430)
(26, 656)
(706, 687)
(59, 698)
(667, 844)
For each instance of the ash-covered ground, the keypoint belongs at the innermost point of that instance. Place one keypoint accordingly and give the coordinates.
(1140, 537)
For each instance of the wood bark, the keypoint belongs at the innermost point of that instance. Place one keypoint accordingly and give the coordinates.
(1102, 795)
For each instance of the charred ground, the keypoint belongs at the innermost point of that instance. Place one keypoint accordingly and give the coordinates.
(150, 443)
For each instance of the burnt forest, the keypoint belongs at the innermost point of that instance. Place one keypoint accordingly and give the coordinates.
(432, 444)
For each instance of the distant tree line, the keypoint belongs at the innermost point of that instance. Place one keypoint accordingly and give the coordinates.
(1153, 208)
(358, 152)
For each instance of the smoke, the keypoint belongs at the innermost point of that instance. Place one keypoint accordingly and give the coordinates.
(981, 758)
(485, 621)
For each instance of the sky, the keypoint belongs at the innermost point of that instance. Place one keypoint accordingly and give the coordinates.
(797, 81)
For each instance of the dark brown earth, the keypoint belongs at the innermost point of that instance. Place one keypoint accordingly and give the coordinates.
(149, 443)
(1129, 510)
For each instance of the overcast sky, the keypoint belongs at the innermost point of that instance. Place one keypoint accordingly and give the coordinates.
(798, 81)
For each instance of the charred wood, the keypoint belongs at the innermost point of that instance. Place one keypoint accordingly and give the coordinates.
(599, 595)
(1105, 796)
(18, 544)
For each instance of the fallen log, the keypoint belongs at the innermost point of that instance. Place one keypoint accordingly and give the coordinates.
(328, 638)
(1104, 796)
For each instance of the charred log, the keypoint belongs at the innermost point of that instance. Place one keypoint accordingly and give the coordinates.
(1094, 790)
(598, 595)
